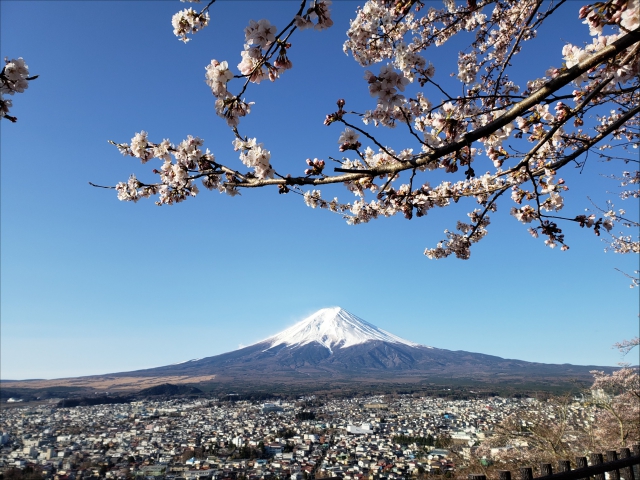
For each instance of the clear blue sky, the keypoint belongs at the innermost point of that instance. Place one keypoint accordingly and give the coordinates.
(93, 285)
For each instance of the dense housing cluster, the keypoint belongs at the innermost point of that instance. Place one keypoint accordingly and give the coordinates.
(206, 438)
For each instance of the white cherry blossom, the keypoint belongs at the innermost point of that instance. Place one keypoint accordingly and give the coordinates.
(188, 21)
(499, 138)
(14, 78)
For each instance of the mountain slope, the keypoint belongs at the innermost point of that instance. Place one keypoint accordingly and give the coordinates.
(333, 344)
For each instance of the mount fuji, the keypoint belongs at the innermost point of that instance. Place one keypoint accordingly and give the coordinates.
(335, 345)
(333, 328)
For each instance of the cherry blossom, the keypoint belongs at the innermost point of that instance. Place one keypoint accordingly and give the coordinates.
(253, 155)
(217, 77)
(488, 137)
(319, 13)
(260, 33)
(14, 78)
(617, 397)
(188, 21)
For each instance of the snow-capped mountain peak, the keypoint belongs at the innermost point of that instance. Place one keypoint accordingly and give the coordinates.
(333, 328)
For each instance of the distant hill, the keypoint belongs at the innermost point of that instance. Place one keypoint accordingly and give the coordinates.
(170, 389)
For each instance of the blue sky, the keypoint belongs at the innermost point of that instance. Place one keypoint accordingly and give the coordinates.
(93, 285)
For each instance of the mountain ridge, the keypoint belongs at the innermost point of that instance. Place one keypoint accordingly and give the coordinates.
(335, 347)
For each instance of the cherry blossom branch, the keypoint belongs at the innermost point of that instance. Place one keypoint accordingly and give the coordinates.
(14, 78)
(452, 131)
(598, 138)
(554, 129)
(627, 345)
(551, 86)
(515, 45)
(411, 130)
(370, 137)
(489, 207)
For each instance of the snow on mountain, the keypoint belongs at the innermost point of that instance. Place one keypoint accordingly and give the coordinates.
(333, 328)
(187, 361)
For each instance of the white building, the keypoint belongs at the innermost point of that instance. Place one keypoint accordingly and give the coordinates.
(364, 429)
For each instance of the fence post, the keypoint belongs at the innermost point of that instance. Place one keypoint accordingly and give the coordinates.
(473, 476)
(546, 470)
(596, 459)
(612, 456)
(581, 462)
(506, 475)
(628, 471)
(526, 473)
(564, 466)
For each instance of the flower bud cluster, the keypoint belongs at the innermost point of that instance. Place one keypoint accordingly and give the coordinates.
(335, 116)
(316, 167)
(622, 12)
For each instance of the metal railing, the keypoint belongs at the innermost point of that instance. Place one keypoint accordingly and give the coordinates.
(619, 467)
